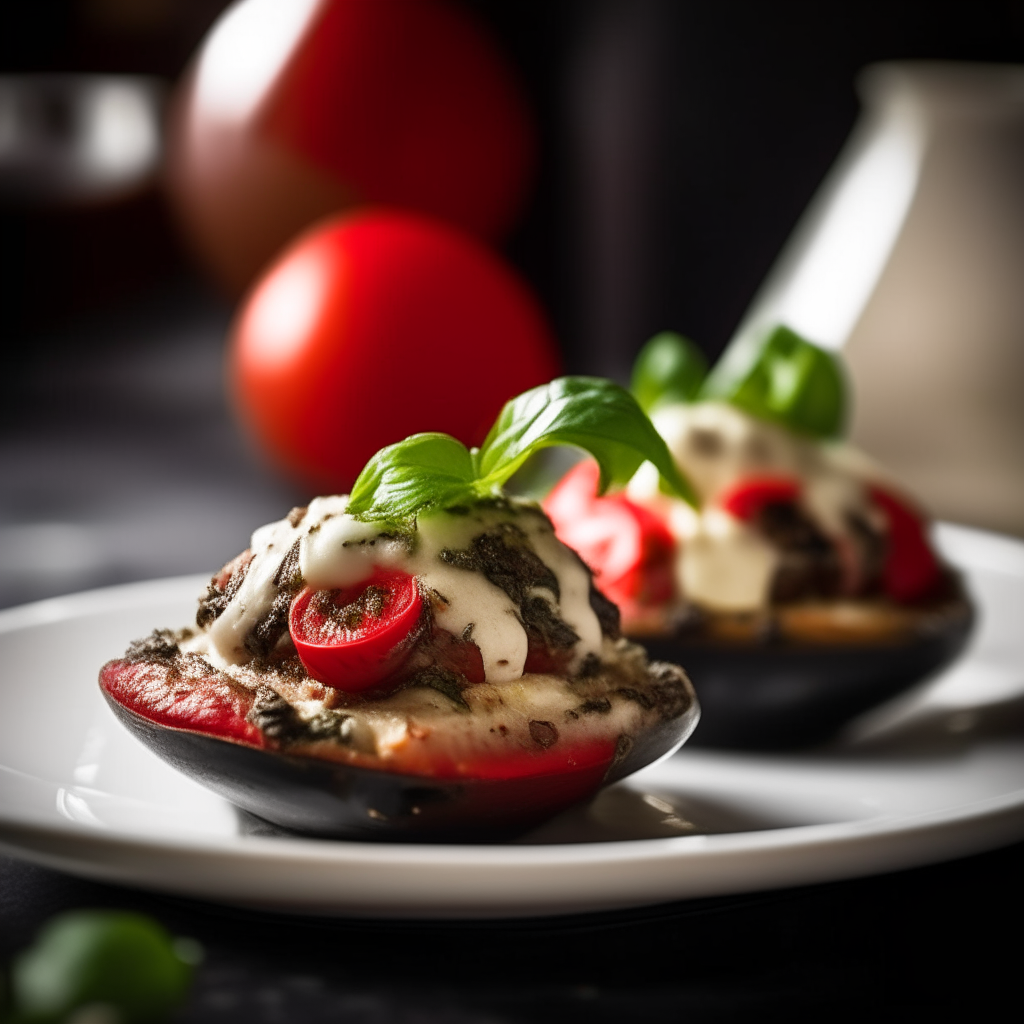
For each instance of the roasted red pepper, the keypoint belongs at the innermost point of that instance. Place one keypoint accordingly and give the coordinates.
(746, 498)
(629, 547)
(210, 704)
(911, 569)
(349, 638)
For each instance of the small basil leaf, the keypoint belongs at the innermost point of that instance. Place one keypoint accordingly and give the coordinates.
(423, 471)
(669, 368)
(585, 412)
(87, 957)
(780, 376)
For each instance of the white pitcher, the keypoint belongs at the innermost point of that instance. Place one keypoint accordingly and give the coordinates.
(911, 259)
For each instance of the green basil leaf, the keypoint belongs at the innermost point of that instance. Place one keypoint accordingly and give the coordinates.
(85, 957)
(782, 377)
(591, 413)
(669, 368)
(423, 471)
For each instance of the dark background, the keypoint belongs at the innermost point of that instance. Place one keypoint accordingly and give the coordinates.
(680, 143)
(933, 945)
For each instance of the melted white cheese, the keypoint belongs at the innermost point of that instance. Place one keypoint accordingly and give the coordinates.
(723, 563)
(336, 550)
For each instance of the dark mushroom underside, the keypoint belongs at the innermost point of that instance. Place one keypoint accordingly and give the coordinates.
(331, 799)
(784, 696)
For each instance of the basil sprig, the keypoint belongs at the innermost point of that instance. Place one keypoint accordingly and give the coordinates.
(775, 375)
(669, 368)
(436, 471)
(782, 377)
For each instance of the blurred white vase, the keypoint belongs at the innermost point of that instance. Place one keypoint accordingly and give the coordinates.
(911, 259)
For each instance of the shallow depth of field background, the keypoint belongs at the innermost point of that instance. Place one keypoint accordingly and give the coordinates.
(679, 144)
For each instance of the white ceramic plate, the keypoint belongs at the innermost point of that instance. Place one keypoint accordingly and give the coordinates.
(928, 778)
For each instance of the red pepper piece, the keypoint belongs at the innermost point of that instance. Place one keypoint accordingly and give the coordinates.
(587, 760)
(212, 705)
(911, 569)
(346, 638)
(572, 497)
(746, 498)
(628, 546)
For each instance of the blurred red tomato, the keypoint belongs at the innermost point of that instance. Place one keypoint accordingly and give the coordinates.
(374, 326)
(295, 109)
(629, 548)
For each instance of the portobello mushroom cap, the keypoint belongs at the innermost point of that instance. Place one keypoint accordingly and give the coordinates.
(511, 697)
(777, 688)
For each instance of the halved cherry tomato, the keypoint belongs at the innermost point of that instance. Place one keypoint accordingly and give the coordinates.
(629, 548)
(347, 638)
(747, 497)
(911, 568)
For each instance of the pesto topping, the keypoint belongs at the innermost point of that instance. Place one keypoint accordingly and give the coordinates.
(495, 574)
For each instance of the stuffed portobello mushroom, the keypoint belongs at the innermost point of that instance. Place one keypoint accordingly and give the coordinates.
(423, 658)
(802, 586)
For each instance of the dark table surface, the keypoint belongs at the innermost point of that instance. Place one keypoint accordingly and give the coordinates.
(120, 462)
(934, 944)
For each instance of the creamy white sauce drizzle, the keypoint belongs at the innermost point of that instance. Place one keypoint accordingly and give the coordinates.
(723, 563)
(336, 550)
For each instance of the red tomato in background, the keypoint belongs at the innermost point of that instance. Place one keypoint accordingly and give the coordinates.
(374, 326)
(296, 109)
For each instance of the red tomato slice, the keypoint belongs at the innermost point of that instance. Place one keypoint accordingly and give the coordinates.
(347, 638)
(746, 498)
(911, 568)
(629, 548)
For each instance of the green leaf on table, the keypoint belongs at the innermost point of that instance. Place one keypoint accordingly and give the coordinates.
(591, 413)
(779, 376)
(669, 368)
(123, 961)
(423, 471)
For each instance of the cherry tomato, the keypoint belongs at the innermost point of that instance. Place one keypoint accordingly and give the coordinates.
(911, 569)
(746, 498)
(629, 548)
(372, 327)
(296, 109)
(347, 638)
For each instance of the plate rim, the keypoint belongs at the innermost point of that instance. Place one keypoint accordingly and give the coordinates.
(898, 840)
(773, 850)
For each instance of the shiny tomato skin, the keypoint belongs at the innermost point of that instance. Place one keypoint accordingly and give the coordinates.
(297, 109)
(374, 326)
(366, 655)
